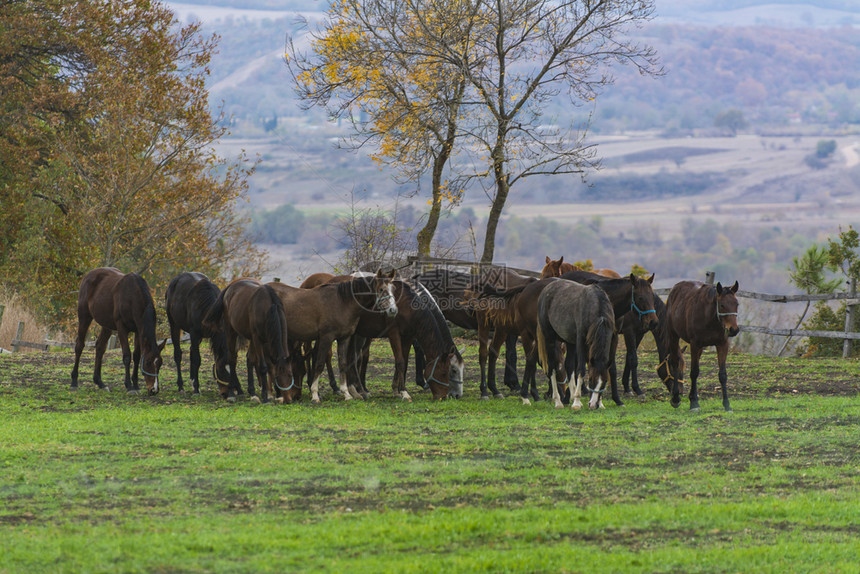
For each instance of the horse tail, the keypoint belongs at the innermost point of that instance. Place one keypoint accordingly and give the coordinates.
(598, 338)
(215, 314)
(276, 324)
(543, 356)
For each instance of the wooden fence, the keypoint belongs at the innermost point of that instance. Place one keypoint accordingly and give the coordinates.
(850, 298)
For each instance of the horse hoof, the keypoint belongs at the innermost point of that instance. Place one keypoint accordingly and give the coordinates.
(230, 399)
(674, 404)
(526, 402)
(132, 391)
(498, 396)
(559, 405)
(694, 409)
(254, 399)
(485, 397)
(317, 401)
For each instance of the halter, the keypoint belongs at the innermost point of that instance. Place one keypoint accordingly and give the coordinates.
(633, 306)
(142, 370)
(292, 384)
(668, 371)
(590, 390)
(380, 298)
(217, 379)
(437, 381)
(722, 314)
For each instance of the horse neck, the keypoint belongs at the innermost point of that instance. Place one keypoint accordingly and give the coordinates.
(146, 328)
(620, 292)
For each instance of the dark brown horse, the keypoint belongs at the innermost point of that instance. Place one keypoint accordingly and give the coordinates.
(557, 268)
(419, 321)
(702, 315)
(248, 309)
(448, 287)
(629, 295)
(582, 317)
(189, 297)
(122, 303)
(330, 313)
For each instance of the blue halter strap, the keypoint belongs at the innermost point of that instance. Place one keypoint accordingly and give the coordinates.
(633, 306)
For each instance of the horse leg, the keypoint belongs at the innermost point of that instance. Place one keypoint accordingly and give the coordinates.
(631, 361)
(695, 355)
(492, 356)
(530, 351)
(84, 320)
(399, 349)
(122, 335)
(551, 360)
(420, 365)
(613, 372)
(722, 352)
(249, 367)
(483, 350)
(135, 358)
(175, 333)
(101, 345)
(579, 371)
(332, 380)
(195, 362)
(233, 359)
(362, 372)
(511, 363)
(675, 371)
(345, 351)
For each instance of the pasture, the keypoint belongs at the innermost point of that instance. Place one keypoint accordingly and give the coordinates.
(96, 481)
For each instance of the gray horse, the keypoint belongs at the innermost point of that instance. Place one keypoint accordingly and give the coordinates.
(582, 317)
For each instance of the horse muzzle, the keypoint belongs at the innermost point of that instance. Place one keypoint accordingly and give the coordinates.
(733, 331)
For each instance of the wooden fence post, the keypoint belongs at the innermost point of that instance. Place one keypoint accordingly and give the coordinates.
(112, 342)
(709, 277)
(18, 334)
(849, 321)
(2, 308)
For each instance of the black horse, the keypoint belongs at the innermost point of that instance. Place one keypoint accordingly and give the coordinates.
(189, 297)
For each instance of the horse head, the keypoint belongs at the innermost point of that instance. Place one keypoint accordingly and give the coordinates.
(642, 301)
(445, 375)
(727, 308)
(150, 365)
(383, 289)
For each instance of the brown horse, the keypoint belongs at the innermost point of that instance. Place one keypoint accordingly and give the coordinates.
(330, 313)
(122, 303)
(702, 315)
(246, 308)
(557, 268)
(514, 311)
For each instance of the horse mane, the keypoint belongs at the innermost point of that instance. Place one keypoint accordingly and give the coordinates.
(148, 314)
(428, 317)
(346, 290)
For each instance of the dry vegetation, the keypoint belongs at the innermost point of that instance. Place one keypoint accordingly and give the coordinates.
(13, 313)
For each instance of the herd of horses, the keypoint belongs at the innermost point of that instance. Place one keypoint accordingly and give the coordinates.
(568, 322)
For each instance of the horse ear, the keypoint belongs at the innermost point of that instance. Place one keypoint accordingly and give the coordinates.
(379, 272)
(162, 345)
(719, 288)
(392, 273)
(651, 279)
(734, 288)
(633, 278)
(561, 260)
(548, 259)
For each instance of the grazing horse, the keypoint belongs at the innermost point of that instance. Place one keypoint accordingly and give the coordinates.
(582, 317)
(448, 287)
(557, 268)
(702, 315)
(629, 295)
(330, 313)
(246, 308)
(419, 322)
(189, 297)
(122, 303)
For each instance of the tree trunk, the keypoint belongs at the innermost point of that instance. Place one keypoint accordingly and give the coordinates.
(425, 236)
(498, 205)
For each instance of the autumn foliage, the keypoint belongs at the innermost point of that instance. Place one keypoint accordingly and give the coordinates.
(106, 152)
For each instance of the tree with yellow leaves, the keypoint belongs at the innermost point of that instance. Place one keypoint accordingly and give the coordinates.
(375, 60)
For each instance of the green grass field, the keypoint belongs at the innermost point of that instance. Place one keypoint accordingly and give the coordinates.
(108, 482)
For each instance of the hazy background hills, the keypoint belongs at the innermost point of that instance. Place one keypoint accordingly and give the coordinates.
(678, 194)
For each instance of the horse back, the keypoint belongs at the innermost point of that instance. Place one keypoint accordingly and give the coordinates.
(691, 314)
